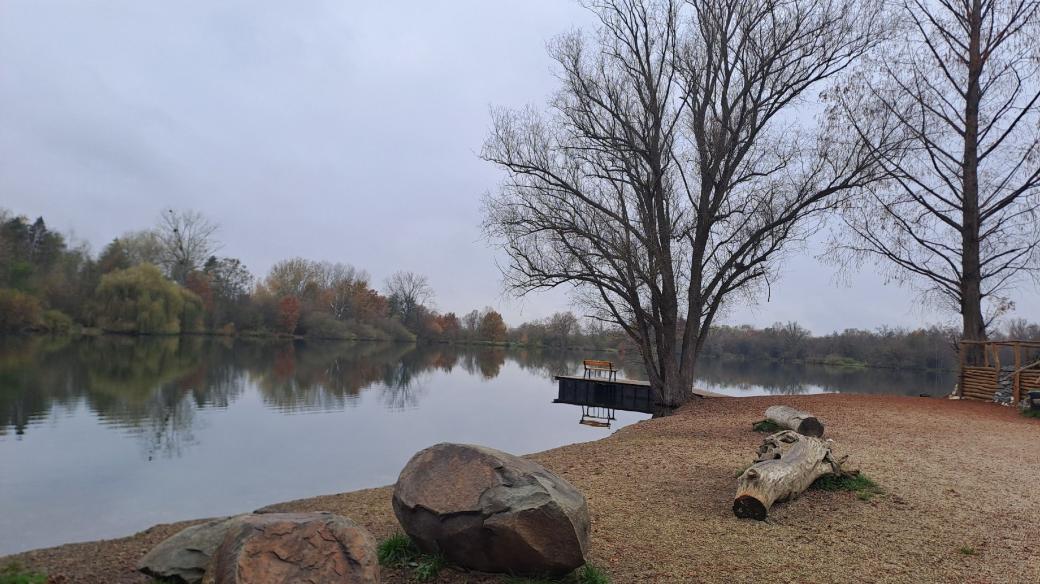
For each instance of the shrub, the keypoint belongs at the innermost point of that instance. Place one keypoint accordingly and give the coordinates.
(56, 321)
(141, 300)
(322, 325)
(18, 311)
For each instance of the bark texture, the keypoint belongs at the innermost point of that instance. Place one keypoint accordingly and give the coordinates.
(797, 420)
(788, 462)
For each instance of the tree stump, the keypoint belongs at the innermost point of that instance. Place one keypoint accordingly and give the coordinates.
(788, 462)
(797, 420)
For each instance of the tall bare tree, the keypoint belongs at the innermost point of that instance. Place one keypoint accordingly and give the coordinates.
(186, 241)
(952, 111)
(669, 175)
(407, 291)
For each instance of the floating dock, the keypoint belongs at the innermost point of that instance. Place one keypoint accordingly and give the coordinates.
(616, 394)
(619, 394)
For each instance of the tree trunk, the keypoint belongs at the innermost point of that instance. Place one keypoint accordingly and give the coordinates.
(787, 464)
(797, 420)
(674, 392)
(971, 281)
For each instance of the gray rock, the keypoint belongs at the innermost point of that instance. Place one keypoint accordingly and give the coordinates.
(184, 556)
(491, 511)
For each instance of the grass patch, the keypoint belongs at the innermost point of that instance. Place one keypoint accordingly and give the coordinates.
(16, 574)
(398, 551)
(859, 483)
(967, 550)
(587, 574)
(428, 566)
(767, 426)
(1031, 413)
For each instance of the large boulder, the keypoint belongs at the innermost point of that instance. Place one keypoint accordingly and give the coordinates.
(284, 548)
(491, 511)
(183, 557)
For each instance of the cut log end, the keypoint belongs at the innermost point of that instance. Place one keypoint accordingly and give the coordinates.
(748, 507)
(804, 423)
(810, 427)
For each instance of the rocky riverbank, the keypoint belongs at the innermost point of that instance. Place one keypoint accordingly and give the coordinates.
(958, 503)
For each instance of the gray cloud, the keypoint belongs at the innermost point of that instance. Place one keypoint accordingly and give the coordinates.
(342, 131)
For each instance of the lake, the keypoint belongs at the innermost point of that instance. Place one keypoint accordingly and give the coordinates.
(102, 437)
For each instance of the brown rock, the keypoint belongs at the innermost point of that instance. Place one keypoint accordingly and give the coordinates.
(283, 548)
(184, 556)
(491, 511)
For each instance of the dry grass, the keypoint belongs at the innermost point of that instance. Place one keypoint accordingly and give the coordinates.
(955, 475)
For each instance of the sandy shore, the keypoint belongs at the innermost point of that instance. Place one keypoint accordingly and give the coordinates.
(956, 475)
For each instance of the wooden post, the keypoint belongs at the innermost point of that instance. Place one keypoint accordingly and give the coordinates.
(960, 356)
(1016, 378)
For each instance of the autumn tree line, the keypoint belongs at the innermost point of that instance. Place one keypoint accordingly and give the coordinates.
(169, 279)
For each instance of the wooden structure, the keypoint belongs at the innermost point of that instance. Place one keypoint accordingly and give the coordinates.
(600, 396)
(592, 366)
(616, 394)
(981, 382)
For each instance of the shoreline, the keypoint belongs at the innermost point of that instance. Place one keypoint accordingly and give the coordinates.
(954, 473)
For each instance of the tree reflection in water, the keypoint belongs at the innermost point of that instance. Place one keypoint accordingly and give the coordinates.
(153, 388)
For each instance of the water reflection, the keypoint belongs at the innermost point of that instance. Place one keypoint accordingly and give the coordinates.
(744, 378)
(153, 388)
(163, 429)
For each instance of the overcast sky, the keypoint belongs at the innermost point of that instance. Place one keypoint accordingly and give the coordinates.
(332, 130)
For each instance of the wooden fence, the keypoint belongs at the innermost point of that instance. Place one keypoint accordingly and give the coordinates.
(983, 381)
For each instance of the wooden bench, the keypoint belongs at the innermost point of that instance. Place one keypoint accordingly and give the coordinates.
(592, 365)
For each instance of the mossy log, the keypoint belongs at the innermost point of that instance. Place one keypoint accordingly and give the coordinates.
(797, 420)
(788, 462)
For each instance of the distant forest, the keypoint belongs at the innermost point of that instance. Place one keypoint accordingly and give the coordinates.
(169, 279)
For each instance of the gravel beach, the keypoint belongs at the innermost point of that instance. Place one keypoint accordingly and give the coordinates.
(959, 505)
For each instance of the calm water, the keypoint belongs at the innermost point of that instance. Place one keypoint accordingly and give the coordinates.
(103, 437)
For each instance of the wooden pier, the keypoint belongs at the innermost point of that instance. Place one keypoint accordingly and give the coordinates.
(619, 394)
(615, 394)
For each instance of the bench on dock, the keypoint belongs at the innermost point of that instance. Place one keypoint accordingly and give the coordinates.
(594, 366)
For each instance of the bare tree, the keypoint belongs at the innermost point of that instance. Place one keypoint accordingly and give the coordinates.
(187, 240)
(668, 176)
(408, 291)
(958, 96)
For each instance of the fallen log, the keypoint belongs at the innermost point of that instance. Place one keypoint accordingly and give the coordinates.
(788, 462)
(797, 420)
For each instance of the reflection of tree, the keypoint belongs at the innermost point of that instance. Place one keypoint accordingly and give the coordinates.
(484, 361)
(323, 375)
(168, 430)
(149, 387)
(153, 388)
(786, 379)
